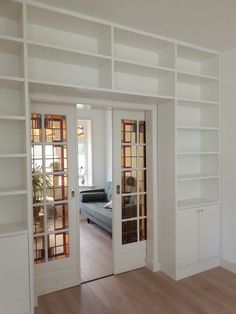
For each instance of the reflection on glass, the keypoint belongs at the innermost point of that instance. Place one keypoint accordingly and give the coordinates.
(142, 181)
(142, 205)
(39, 250)
(129, 206)
(57, 217)
(58, 190)
(55, 128)
(38, 219)
(58, 246)
(129, 181)
(142, 156)
(142, 132)
(129, 131)
(129, 231)
(129, 156)
(142, 229)
(36, 128)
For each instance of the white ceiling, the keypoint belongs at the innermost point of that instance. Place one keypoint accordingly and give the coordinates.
(207, 23)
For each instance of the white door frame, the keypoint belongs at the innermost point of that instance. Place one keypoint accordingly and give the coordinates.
(152, 259)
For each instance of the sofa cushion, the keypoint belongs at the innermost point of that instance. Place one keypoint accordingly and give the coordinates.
(98, 211)
(94, 197)
(108, 190)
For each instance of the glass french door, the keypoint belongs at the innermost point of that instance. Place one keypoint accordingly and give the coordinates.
(54, 183)
(130, 201)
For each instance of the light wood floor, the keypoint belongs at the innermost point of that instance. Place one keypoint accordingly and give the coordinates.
(144, 292)
(95, 250)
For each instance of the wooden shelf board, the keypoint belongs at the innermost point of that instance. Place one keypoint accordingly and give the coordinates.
(184, 127)
(103, 92)
(197, 101)
(155, 67)
(196, 202)
(13, 191)
(13, 229)
(200, 76)
(12, 117)
(192, 177)
(64, 49)
(13, 155)
(197, 153)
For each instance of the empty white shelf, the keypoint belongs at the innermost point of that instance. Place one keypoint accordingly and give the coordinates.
(195, 202)
(12, 229)
(13, 191)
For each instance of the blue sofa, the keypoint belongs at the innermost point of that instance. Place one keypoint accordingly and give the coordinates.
(92, 206)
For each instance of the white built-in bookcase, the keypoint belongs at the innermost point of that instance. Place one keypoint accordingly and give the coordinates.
(45, 46)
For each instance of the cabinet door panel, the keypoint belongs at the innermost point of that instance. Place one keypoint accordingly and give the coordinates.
(14, 274)
(187, 246)
(209, 229)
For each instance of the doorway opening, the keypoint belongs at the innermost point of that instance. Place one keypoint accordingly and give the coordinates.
(94, 134)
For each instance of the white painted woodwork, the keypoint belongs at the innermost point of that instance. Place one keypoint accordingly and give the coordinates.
(63, 273)
(11, 19)
(132, 255)
(187, 237)
(57, 52)
(14, 284)
(197, 235)
(209, 232)
(11, 58)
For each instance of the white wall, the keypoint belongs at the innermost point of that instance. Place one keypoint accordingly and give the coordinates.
(98, 143)
(229, 159)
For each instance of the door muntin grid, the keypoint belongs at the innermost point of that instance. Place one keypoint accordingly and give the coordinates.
(50, 187)
(133, 181)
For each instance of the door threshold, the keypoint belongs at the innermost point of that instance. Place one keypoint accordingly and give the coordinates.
(91, 280)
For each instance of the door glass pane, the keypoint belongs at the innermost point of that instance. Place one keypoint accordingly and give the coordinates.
(129, 156)
(39, 250)
(133, 181)
(129, 131)
(142, 181)
(129, 231)
(142, 156)
(38, 219)
(56, 158)
(50, 184)
(143, 229)
(58, 246)
(57, 187)
(129, 206)
(129, 181)
(142, 132)
(57, 217)
(55, 128)
(36, 128)
(142, 205)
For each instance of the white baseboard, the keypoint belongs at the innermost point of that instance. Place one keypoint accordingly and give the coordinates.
(154, 266)
(190, 270)
(168, 271)
(231, 266)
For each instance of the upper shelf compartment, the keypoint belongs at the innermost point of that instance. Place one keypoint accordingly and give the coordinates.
(11, 59)
(50, 65)
(134, 47)
(68, 32)
(10, 18)
(141, 79)
(198, 62)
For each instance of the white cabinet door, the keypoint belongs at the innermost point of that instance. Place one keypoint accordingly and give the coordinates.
(209, 228)
(14, 275)
(187, 246)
